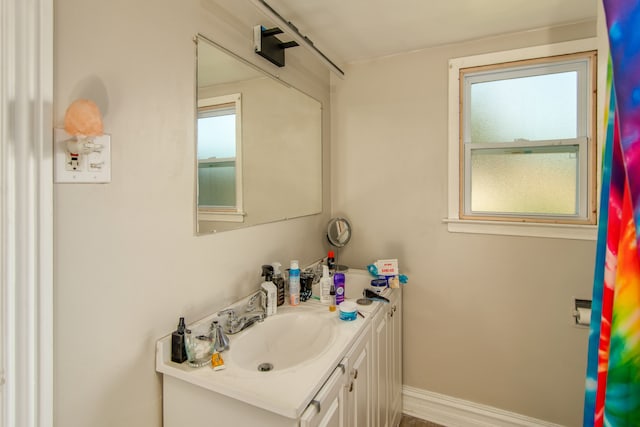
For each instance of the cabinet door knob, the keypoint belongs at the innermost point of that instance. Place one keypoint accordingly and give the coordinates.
(351, 387)
(355, 374)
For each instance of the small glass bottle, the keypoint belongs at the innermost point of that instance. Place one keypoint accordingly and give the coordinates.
(332, 299)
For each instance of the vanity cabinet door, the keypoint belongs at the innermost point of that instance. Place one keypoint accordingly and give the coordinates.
(386, 376)
(327, 408)
(358, 388)
(395, 357)
(380, 383)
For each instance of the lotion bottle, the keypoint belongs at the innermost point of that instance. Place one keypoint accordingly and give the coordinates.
(325, 286)
(294, 283)
(270, 290)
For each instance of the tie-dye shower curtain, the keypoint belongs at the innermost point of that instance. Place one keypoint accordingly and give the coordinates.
(613, 369)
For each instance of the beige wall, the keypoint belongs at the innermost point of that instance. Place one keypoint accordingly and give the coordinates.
(487, 318)
(127, 262)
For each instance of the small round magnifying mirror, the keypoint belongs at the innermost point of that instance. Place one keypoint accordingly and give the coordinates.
(339, 232)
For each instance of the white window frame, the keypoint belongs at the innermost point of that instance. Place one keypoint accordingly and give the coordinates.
(461, 223)
(233, 214)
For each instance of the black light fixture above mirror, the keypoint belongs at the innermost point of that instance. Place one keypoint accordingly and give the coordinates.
(267, 45)
(289, 28)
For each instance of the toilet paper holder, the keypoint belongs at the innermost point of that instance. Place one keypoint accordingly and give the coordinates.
(581, 312)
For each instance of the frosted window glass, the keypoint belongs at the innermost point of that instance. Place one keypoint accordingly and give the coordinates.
(534, 108)
(217, 137)
(525, 182)
(217, 184)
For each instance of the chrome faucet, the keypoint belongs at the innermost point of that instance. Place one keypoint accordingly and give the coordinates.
(250, 315)
(232, 324)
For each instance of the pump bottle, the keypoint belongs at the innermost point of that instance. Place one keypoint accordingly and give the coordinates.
(270, 290)
(178, 344)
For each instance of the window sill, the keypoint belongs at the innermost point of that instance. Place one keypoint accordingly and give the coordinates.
(554, 231)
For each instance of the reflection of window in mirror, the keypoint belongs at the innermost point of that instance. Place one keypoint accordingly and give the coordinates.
(219, 158)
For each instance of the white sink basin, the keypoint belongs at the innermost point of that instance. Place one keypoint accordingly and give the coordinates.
(282, 341)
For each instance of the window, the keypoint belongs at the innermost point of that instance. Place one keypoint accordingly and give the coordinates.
(526, 146)
(219, 161)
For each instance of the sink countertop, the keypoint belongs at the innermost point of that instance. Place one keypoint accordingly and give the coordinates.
(286, 392)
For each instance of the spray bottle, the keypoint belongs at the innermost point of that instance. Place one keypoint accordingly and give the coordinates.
(331, 262)
(294, 283)
(178, 344)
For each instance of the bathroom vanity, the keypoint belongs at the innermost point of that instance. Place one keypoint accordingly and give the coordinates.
(325, 371)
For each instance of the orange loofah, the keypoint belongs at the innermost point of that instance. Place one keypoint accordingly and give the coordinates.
(83, 118)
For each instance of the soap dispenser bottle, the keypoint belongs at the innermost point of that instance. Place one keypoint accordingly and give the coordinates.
(178, 344)
(278, 280)
(325, 286)
(270, 290)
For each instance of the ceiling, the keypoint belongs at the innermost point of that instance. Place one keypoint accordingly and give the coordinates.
(354, 30)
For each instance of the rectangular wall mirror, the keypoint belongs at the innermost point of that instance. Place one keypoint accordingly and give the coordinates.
(258, 145)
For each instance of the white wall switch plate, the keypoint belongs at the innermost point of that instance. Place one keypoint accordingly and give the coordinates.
(94, 167)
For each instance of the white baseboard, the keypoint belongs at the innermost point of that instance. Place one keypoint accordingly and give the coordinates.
(452, 412)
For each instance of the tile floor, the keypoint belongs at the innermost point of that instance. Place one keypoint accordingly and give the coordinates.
(409, 421)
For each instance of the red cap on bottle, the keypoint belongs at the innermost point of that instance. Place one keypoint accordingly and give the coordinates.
(331, 254)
